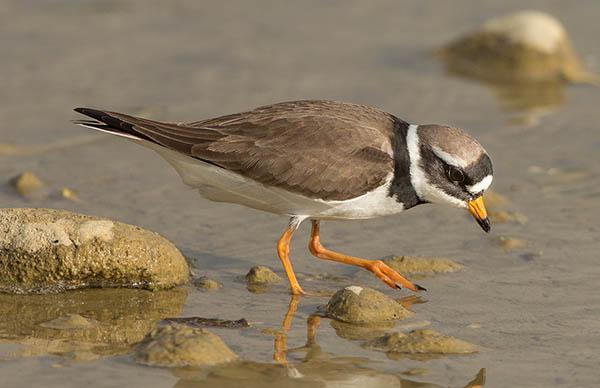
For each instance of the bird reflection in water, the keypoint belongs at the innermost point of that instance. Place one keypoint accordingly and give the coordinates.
(353, 376)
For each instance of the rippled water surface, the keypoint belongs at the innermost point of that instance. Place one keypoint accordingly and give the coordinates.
(534, 310)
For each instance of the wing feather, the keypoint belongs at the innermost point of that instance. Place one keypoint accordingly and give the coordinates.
(320, 149)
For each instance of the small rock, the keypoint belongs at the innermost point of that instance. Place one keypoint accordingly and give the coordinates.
(510, 243)
(45, 250)
(261, 275)
(525, 46)
(176, 345)
(69, 321)
(422, 265)
(8, 149)
(69, 194)
(28, 185)
(360, 305)
(207, 283)
(422, 341)
(501, 216)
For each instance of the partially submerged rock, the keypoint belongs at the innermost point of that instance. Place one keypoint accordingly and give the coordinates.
(502, 216)
(360, 305)
(422, 265)
(206, 283)
(423, 341)
(261, 275)
(511, 243)
(176, 345)
(53, 250)
(69, 194)
(28, 185)
(498, 209)
(526, 46)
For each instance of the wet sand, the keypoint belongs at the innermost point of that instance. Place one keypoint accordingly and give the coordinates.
(534, 311)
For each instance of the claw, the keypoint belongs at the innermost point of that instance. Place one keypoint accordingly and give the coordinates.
(420, 288)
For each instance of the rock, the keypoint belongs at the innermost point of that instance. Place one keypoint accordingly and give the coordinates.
(261, 275)
(8, 149)
(207, 283)
(360, 305)
(511, 243)
(422, 265)
(28, 185)
(422, 341)
(176, 345)
(53, 250)
(69, 194)
(502, 216)
(526, 46)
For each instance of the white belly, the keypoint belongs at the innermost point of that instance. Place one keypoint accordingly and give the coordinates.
(220, 185)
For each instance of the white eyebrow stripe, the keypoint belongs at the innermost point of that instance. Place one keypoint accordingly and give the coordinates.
(449, 159)
(482, 185)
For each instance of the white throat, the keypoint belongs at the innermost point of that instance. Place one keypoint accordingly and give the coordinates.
(424, 189)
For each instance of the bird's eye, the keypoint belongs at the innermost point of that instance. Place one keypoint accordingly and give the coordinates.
(455, 175)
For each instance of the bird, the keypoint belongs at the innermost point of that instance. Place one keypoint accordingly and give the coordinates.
(317, 160)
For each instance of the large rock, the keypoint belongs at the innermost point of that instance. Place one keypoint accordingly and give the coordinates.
(526, 46)
(423, 341)
(360, 305)
(177, 345)
(52, 250)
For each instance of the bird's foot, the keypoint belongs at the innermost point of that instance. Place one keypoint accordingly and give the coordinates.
(390, 277)
(296, 290)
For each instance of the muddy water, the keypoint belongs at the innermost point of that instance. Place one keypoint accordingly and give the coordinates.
(533, 309)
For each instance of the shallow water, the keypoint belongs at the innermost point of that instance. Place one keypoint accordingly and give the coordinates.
(534, 311)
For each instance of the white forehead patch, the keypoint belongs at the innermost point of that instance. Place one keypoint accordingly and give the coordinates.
(452, 160)
(480, 186)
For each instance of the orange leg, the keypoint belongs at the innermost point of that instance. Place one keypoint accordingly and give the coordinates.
(283, 250)
(377, 267)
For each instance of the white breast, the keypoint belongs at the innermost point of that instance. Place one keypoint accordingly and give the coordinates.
(375, 203)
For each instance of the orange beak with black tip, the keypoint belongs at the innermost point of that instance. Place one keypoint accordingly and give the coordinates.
(477, 209)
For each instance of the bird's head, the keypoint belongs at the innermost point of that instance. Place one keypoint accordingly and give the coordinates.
(449, 166)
